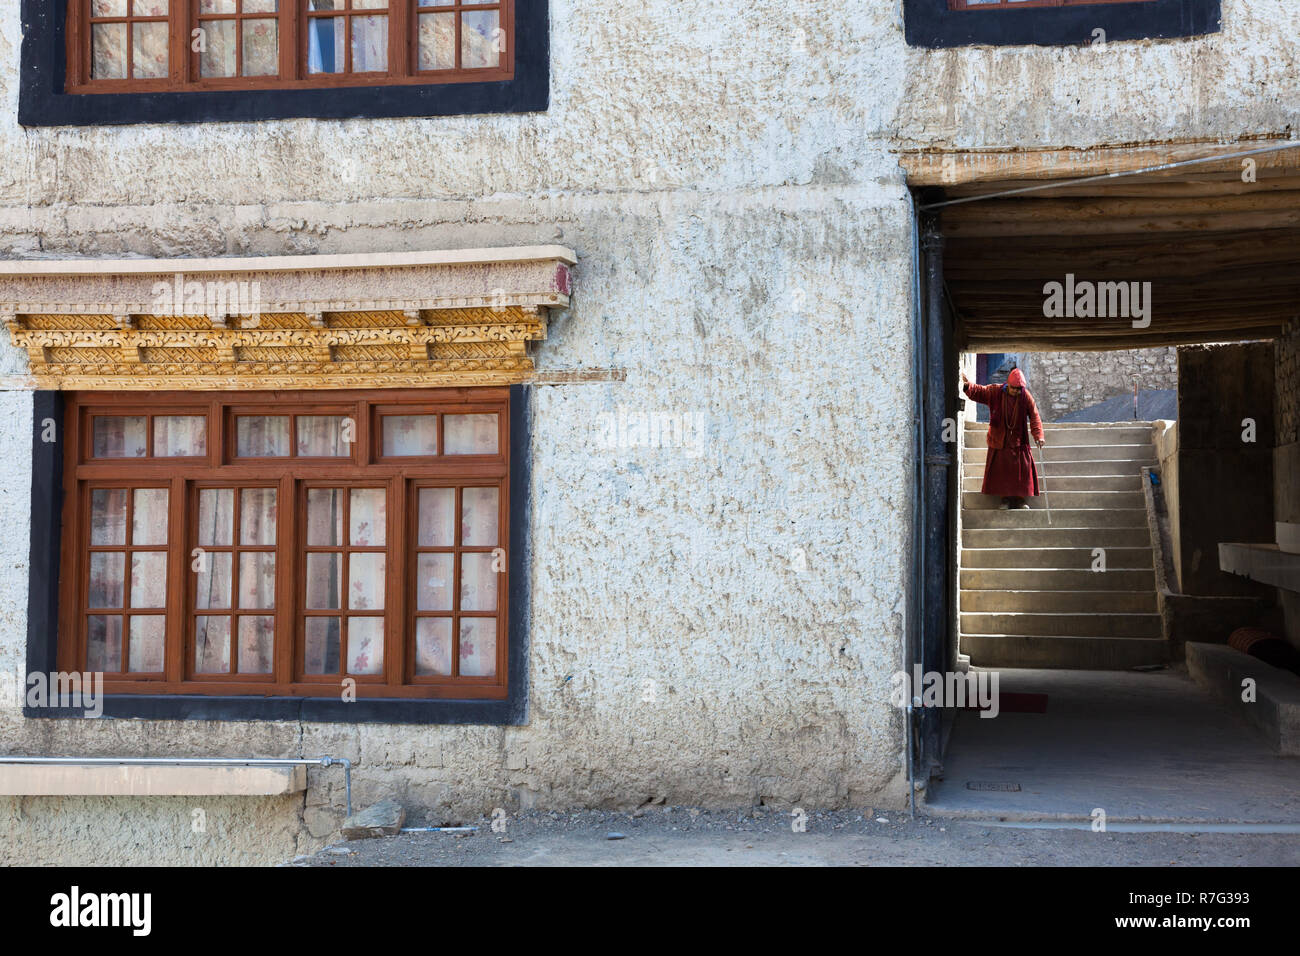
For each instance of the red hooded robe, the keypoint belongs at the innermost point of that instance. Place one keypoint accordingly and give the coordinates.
(1009, 470)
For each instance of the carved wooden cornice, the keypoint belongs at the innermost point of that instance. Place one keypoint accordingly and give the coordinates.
(462, 317)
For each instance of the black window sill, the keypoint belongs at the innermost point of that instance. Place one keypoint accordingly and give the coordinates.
(508, 712)
(929, 23)
(42, 101)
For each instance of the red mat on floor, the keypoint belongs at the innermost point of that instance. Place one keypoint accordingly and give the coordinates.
(1012, 703)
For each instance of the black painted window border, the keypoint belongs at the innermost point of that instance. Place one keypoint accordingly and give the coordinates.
(929, 23)
(43, 612)
(43, 102)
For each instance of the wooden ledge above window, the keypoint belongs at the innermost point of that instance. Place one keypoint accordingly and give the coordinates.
(386, 320)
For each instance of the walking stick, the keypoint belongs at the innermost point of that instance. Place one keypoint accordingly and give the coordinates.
(1043, 467)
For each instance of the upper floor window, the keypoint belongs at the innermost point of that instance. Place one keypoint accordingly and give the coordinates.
(193, 45)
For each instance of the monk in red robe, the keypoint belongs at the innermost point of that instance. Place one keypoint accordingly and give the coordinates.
(1013, 416)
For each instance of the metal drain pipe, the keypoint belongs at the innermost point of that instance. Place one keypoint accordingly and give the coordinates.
(199, 762)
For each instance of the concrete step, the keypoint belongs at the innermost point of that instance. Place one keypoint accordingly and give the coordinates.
(1132, 452)
(1086, 435)
(1107, 500)
(1043, 624)
(1100, 467)
(1058, 602)
(1081, 653)
(1131, 482)
(1035, 579)
(1061, 518)
(1079, 558)
(1056, 537)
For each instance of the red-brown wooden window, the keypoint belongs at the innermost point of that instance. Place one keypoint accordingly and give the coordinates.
(160, 45)
(309, 544)
(1022, 4)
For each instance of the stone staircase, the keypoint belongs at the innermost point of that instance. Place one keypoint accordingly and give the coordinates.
(1028, 594)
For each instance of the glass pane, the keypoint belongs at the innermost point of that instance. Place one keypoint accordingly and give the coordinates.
(470, 434)
(479, 39)
(322, 436)
(437, 41)
(322, 652)
(478, 517)
(262, 436)
(478, 646)
(437, 507)
(433, 575)
(365, 645)
(256, 644)
(149, 516)
(108, 8)
(324, 517)
(180, 436)
(257, 580)
(410, 434)
(145, 648)
(324, 581)
(212, 645)
(326, 4)
(150, 8)
(325, 39)
(257, 516)
(369, 44)
(218, 56)
(261, 48)
(372, 4)
(149, 59)
(103, 643)
(369, 517)
(261, 6)
(216, 517)
(149, 579)
(366, 581)
(216, 6)
(213, 580)
(108, 51)
(433, 645)
(478, 582)
(107, 579)
(117, 436)
(108, 516)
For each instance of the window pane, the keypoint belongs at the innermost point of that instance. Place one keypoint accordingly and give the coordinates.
(410, 434)
(470, 434)
(117, 436)
(262, 436)
(437, 508)
(257, 516)
(374, 4)
(216, 517)
(149, 58)
(324, 582)
(326, 4)
(149, 516)
(108, 516)
(478, 517)
(322, 436)
(256, 644)
(150, 8)
(322, 652)
(216, 6)
(478, 646)
(146, 644)
(149, 579)
(108, 51)
(103, 643)
(325, 39)
(108, 8)
(365, 645)
(324, 517)
(433, 573)
(433, 646)
(261, 6)
(212, 645)
(261, 48)
(366, 581)
(218, 56)
(107, 570)
(478, 582)
(257, 580)
(369, 517)
(180, 436)
(213, 587)
(369, 44)
(479, 39)
(437, 41)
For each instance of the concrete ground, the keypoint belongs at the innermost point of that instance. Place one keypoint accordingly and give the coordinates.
(1140, 746)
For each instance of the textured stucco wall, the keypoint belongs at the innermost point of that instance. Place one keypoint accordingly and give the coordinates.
(727, 177)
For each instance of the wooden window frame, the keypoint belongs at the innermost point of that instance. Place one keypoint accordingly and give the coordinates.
(291, 475)
(294, 74)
